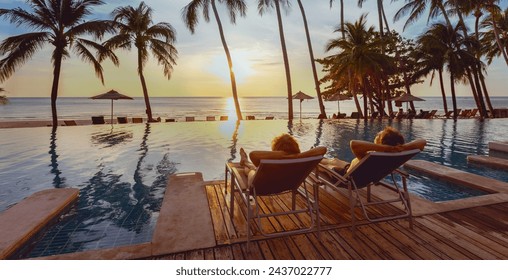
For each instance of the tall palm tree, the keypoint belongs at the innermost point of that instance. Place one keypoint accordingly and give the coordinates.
(341, 17)
(234, 7)
(312, 61)
(59, 23)
(135, 28)
(264, 5)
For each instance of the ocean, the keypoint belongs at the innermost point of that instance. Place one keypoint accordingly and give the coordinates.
(199, 107)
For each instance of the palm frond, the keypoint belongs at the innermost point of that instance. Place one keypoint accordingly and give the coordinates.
(102, 51)
(190, 13)
(18, 49)
(85, 55)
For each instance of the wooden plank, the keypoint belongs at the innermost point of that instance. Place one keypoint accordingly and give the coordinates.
(333, 247)
(252, 252)
(382, 244)
(223, 253)
(230, 229)
(265, 250)
(219, 226)
(308, 250)
(237, 252)
(447, 232)
(209, 254)
(195, 255)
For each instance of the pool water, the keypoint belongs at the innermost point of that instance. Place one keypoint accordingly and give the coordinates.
(122, 171)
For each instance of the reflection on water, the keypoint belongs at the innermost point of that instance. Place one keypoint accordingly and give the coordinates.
(122, 172)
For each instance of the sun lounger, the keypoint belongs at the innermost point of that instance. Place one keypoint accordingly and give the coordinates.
(370, 172)
(431, 115)
(223, 118)
(98, 120)
(269, 118)
(170, 120)
(189, 119)
(355, 115)
(122, 119)
(473, 113)
(70, 123)
(210, 118)
(276, 173)
(250, 118)
(137, 120)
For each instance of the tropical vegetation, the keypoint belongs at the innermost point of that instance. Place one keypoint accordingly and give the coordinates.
(62, 24)
(134, 26)
(461, 40)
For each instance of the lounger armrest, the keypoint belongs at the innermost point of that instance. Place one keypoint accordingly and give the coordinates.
(331, 173)
(239, 179)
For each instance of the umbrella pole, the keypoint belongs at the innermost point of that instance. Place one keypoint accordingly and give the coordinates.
(301, 100)
(111, 112)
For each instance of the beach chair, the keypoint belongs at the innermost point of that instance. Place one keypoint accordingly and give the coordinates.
(223, 118)
(170, 120)
(210, 118)
(277, 173)
(431, 114)
(98, 120)
(250, 118)
(121, 119)
(137, 120)
(355, 115)
(473, 113)
(378, 169)
(269, 118)
(465, 113)
(70, 123)
(189, 119)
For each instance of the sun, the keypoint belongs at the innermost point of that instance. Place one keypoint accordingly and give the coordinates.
(242, 66)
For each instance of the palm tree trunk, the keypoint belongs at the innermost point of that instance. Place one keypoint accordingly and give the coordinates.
(443, 93)
(454, 99)
(380, 15)
(445, 15)
(357, 103)
(145, 90)
(230, 62)
(54, 87)
(312, 61)
(342, 19)
(487, 97)
(286, 61)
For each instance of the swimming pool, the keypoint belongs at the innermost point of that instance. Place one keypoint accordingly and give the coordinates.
(122, 171)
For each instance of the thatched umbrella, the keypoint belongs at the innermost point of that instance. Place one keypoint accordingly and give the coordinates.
(338, 97)
(302, 96)
(113, 95)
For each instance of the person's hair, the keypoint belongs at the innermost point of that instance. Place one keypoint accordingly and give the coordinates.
(389, 136)
(285, 143)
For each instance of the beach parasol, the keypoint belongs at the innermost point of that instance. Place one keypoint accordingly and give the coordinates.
(406, 98)
(302, 96)
(338, 97)
(113, 95)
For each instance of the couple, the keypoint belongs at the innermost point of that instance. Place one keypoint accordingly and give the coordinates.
(286, 143)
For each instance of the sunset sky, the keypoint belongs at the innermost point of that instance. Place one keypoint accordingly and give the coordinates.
(202, 68)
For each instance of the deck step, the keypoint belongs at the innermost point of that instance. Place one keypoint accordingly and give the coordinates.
(499, 146)
(20, 223)
(489, 161)
(184, 222)
(458, 177)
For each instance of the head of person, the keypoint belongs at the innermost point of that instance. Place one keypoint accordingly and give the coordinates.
(389, 136)
(285, 143)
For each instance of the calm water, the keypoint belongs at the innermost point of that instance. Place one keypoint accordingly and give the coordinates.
(200, 107)
(122, 171)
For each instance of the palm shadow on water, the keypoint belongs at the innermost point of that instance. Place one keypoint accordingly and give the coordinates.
(111, 211)
(58, 181)
(234, 141)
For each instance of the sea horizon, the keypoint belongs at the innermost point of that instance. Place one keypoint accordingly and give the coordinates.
(179, 107)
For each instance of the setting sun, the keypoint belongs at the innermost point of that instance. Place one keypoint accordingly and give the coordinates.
(242, 65)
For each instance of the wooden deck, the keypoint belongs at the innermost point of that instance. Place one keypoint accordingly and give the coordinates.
(474, 233)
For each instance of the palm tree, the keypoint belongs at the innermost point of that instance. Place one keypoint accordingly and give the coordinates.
(135, 27)
(234, 7)
(312, 62)
(263, 5)
(448, 40)
(360, 62)
(496, 37)
(59, 23)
